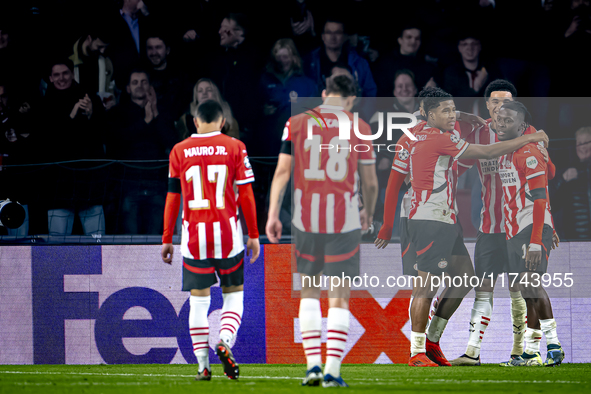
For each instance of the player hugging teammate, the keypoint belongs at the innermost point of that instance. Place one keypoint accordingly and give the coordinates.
(433, 231)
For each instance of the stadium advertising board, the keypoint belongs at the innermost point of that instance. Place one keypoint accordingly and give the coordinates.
(121, 304)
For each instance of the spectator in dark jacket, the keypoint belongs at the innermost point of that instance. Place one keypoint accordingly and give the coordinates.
(319, 63)
(70, 130)
(140, 131)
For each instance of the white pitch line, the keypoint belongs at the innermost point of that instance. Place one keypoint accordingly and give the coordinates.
(424, 381)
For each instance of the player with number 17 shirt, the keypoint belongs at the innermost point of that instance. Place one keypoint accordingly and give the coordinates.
(208, 169)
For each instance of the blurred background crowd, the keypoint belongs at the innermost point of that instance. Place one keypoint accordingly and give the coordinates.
(95, 93)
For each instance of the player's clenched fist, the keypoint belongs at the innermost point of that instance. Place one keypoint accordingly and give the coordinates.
(166, 253)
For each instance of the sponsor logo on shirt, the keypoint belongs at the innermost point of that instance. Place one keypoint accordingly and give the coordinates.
(247, 162)
(400, 163)
(454, 138)
(508, 177)
(489, 166)
(531, 162)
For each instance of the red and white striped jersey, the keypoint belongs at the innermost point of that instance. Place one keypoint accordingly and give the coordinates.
(515, 169)
(434, 174)
(492, 219)
(325, 176)
(208, 167)
(401, 161)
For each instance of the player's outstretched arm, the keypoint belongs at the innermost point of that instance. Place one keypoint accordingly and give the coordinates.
(537, 188)
(246, 201)
(392, 190)
(369, 187)
(475, 151)
(278, 187)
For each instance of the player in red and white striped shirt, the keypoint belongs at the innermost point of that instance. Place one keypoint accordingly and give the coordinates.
(491, 245)
(206, 169)
(432, 220)
(326, 219)
(529, 229)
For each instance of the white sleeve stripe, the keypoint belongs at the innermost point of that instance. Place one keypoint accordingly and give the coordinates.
(466, 145)
(399, 170)
(243, 181)
(535, 175)
(367, 161)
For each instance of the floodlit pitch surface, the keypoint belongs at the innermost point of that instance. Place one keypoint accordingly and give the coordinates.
(177, 379)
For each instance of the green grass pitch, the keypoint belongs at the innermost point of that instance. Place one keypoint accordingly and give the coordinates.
(257, 378)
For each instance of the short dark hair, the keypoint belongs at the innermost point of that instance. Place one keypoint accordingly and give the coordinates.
(520, 108)
(341, 85)
(500, 85)
(241, 20)
(137, 70)
(335, 19)
(157, 34)
(410, 26)
(209, 111)
(65, 61)
(404, 71)
(435, 97)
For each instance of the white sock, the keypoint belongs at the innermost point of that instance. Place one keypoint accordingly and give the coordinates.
(436, 328)
(231, 315)
(338, 330)
(519, 320)
(432, 311)
(479, 319)
(417, 343)
(199, 329)
(548, 327)
(532, 340)
(311, 326)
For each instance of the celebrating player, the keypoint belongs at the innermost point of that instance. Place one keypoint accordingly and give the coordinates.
(432, 225)
(529, 229)
(206, 168)
(491, 245)
(326, 219)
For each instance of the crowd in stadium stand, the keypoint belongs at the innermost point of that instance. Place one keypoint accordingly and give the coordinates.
(118, 80)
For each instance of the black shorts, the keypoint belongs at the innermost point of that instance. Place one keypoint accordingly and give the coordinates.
(201, 274)
(331, 254)
(435, 242)
(517, 247)
(490, 254)
(408, 252)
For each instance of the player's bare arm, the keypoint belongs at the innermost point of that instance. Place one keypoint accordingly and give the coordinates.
(475, 151)
(278, 186)
(369, 187)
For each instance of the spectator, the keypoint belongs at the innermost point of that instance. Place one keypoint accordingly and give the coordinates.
(128, 28)
(575, 38)
(572, 200)
(70, 130)
(334, 49)
(236, 70)
(281, 85)
(93, 71)
(406, 57)
(404, 100)
(140, 130)
(18, 146)
(205, 90)
(168, 80)
(468, 77)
